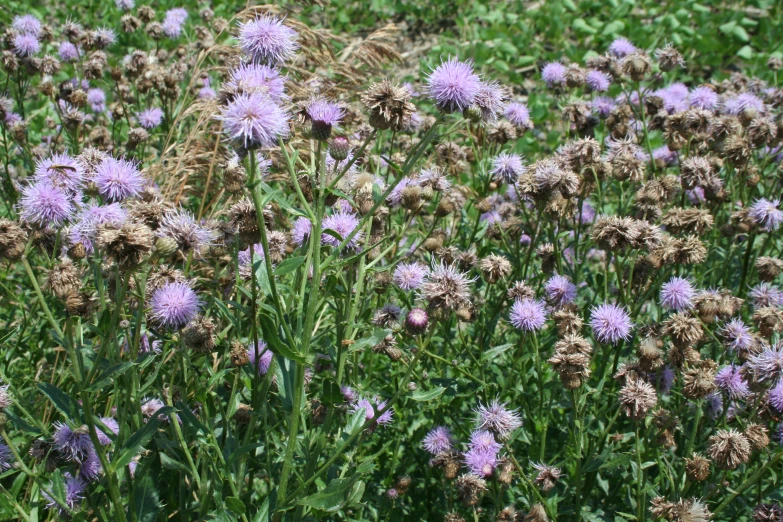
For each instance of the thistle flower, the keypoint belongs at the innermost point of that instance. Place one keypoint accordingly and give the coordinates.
(118, 179)
(445, 287)
(150, 406)
(438, 440)
(730, 380)
(677, 294)
(598, 81)
(43, 204)
(498, 419)
(768, 364)
(560, 291)
(323, 115)
(409, 276)
(610, 323)
(254, 120)
(737, 336)
(518, 114)
(729, 449)
(621, 47)
(97, 99)
(181, 226)
(60, 171)
(301, 230)
(637, 398)
(765, 213)
(554, 74)
(507, 168)
(527, 315)
(764, 294)
(547, 476)
(256, 78)
(265, 357)
(703, 97)
(6, 457)
(267, 40)
(150, 118)
(389, 106)
(416, 321)
(343, 223)
(470, 487)
(26, 45)
(74, 492)
(736, 105)
(68, 52)
(27, 24)
(112, 425)
(453, 86)
(174, 305)
(75, 445)
(5, 397)
(484, 441)
(481, 462)
(489, 101)
(697, 468)
(371, 410)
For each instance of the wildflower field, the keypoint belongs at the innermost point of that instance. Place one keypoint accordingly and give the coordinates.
(391, 261)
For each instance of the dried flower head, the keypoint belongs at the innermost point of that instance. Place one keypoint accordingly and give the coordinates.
(729, 448)
(637, 398)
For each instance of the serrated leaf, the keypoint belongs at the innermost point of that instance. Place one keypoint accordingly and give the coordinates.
(235, 505)
(136, 442)
(272, 337)
(61, 401)
(332, 497)
(428, 395)
(169, 463)
(492, 353)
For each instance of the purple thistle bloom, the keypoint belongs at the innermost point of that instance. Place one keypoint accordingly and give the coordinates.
(714, 405)
(560, 291)
(409, 276)
(61, 171)
(766, 214)
(177, 14)
(507, 167)
(764, 294)
(6, 457)
(349, 394)
(598, 81)
(118, 179)
(91, 467)
(174, 305)
(737, 336)
(527, 315)
(484, 440)
(453, 85)
(371, 410)
(730, 380)
(438, 440)
(481, 462)
(395, 196)
(603, 106)
(68, 52)
(75, 445)
(27, 24)
(737, 104)
(267, 40)
(258, 78)
(74, 492)
(26, 45)
(324, 115)
(498, 419)
(172, 28)
(490, 100)
(610, 323)
(554, 73)
(703, 97)
(435, 178)
(767, 365)
(150, 407)
(265, 357)
(622, 47)
(150, 118)
(301, 230)
(43, 204)
(518, 114)
(90, 218)
(125, 5)
(343, 223)
(181, 226)
(677, 294)
(674, 96)
(255, 120)
(665, 154)
(97, 99)
(112, 425)
(776, 396)
(106, 36)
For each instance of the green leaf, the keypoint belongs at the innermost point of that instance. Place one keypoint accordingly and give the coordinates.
(289, 265)
(741, 33)
(259, 265)
(235, 505)
(746, 52)
(369, 342)
(135, 443)
(272, 337)
(331, 393)
(169, 463)
(263, 512)
(61, 401)
(581, 26)
(424, 396)
(614, 27)
(146, 503)
(332, 497)
(357, 421)
(107, 375)
(492, 353)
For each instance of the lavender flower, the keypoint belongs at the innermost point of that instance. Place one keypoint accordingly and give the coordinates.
(735, 105)
(118, 179)
(765, 294)
(598, 81)
(371, 410)
(438, 440)
(767, 365)
(150, 406)
(490, 100)
(776, 397)
(481, 462)
(554, 73)
(324, 115)
(677, 294)
(560, 291)
(150, 118)
(507, 168)
(74, 492)
(27, 24)
(112, 425)
(97, 99)
(603, 106)
(703, 97)
(518, 114)
(43, 204)
(174, 305)
(301, 230)
(527, 315)
(610, 323)
(498, 419)
(26, 45)
(90, 218)
(68, 52)
(409, 276)
(61, 171)
(91, 468)
(622, 47)
(255, 120)
(75, 445)
(266, 40)
(484, 440)
(265, 357)
(453, 85)
(730, 380)
(343, 223)
(737, 336)
(257, 78)
(766, 214)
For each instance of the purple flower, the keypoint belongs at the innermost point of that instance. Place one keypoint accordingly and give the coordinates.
(395, 196)
(258, 78)
(27, 24)
(776, 396)
(766, 214)
(527, 315)
(554, 73)
(598, 81)
(118, 179)
(174, 305)
(68, 52)
(150, 118)
(97, 99)
(507, 167)
(737, 336)
(182, 226)
(764, 294)
(438, 440)
(767, 365)
(177, 14)
(43, 204)
(453, 85)
(409, 276)
(603, 106)
(60, 171)
(88, 220)
(112, 425)
(610, 323)
(677, 294)
(371, 410)
(301, 230)
(74, 492)
(674, 96)
(255, 120)
(730, 380)
(560, 291)
(484, 440)
(150, 406)
(665, 154)
(91, 467)
(324, 115)
(75, 445)
(265, 357)
(498, 419)
(105, 36)
(125, 5)
(435, 178)
(343, 223)
(266, 40)
(349, 394)
(173, 23)
(481, 462)
(518, 114)
(744, 101)
(703, 97)
(6, 457)
(622, 47)
(490, 100)
(26, 45)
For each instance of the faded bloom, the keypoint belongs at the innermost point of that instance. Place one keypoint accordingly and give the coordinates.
(637, 398)
(267, 40)
(547, 476)
(409, 276)
(737, 336)
(766, 214)
(498, 419)
(174, 305)
(765, 294)
(453, 85)
(527, 315)
(729, 449)
(446, 287)
(768, 364)
(677, 294)
(438, 440)
(610, 323)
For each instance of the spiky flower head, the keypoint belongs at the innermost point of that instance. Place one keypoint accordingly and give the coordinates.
(150, 118)
(438, 440)
(254, 120)
(528, 315)
(677, 294)
(372, 409)
(343, 223)
(703, 97)
(75, 445)
(267, 40)
(737, 336)
(323, 115)
(765, 294)
(768, 364)
(497, 419)
(389, 106)
(518, 114)
(181, 226)
(547, 476)
(507, 168)
(554, 74)
(26, 45)
(766, 214)
(560, 291)
(256, 78)
(27, 24)
(74, 492)
(409, 276)
(118, 179)
(775, 398)
(729, 448)
(598, 81)
(43, 204)
(416, 321)
(480, 461)
(446, 287)
(622, 47)
(453, 85)
(301, 230)
(610, 323)
(68, 52)
(174, 305)
(637, 398)
(265, 357)
(731, 380)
